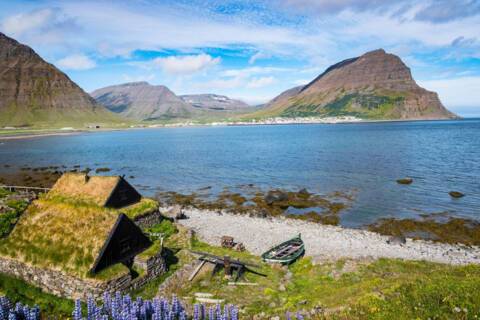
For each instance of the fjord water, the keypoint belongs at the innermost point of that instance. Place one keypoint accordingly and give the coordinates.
(363, 159)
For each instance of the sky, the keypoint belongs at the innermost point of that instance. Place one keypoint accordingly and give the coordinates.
(251, 50)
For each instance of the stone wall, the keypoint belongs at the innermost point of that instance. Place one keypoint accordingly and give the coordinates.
(148, 219)
(64, 285)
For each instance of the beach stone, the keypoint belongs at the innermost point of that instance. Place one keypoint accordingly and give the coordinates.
(397, 240)
(456, 194)
(275, 196)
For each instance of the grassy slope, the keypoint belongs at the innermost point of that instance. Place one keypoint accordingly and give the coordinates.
(381, 289)
(21, 116)
(366, 106)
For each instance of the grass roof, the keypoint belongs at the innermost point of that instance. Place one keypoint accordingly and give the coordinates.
(66, 229)
(80, 186)
(60, 235)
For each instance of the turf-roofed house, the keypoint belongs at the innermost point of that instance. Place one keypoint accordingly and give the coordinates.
(83, 237)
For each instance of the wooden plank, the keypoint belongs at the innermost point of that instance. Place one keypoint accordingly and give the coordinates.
(243, 284)
(210, 300)
(197, 269)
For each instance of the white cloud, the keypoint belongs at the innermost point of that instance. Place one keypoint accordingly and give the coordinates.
(185, 64)
(301, 82)
(260, 82)
(247, 72)
(257, 56)
(17, 25)
(76, 62)
(456, 93)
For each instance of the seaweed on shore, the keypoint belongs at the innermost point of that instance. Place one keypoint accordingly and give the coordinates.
(263, 204)
(453, 230)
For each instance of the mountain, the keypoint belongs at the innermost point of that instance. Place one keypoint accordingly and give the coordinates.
(214, 102)
(143, 101)
(376, 85)
(33, 92)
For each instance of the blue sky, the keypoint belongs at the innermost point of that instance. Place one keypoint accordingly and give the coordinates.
(250, 50)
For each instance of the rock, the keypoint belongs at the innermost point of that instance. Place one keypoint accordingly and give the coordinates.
(405, 181)
(275, 318)
(303, 192)
(282, 287)
(275, 196)
(397, 240)
(456, 194)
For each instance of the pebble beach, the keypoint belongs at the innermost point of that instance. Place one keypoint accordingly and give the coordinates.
(322, 242)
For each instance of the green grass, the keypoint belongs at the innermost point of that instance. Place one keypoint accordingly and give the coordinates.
(19, 291)
(4, 192)
(383, 289)
(8, 219)
(111, 272)
(145, 205)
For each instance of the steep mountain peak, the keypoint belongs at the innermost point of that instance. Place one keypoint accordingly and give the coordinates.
(376, 85)
(34, 92)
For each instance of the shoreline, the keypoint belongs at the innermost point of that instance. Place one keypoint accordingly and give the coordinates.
(322, 242)
(290, 121)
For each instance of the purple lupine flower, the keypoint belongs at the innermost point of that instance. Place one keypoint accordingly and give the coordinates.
(218, 311)
(299, 316)
(288, 315)
(12, 316)
(196, 311)
(211, 313)
(226, 314)
(233, 313)
(77, 311)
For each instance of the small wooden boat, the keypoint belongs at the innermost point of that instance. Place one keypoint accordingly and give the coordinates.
(286, 252)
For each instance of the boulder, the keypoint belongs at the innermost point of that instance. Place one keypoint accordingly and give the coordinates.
(405, 181)
(397, 240)
(456, 194)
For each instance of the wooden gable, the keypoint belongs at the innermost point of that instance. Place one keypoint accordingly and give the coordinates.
(123, 194)
(125, 241)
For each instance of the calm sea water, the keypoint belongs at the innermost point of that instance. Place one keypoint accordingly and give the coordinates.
(364, 159)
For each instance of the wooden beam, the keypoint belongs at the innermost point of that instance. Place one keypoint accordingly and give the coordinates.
(197, 269)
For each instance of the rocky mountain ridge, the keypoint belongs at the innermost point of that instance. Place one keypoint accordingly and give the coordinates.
(217, 102)
(143, 101)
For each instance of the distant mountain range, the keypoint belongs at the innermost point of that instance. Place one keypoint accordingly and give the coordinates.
(376, 85)
(143, 101)
(34, 92)
(214, 102)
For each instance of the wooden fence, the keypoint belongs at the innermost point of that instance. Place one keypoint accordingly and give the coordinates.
(24, 188)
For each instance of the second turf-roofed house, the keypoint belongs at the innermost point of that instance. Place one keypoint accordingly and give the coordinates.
(80, 238)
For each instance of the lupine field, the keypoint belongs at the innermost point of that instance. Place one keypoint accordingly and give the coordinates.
(122, 307)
